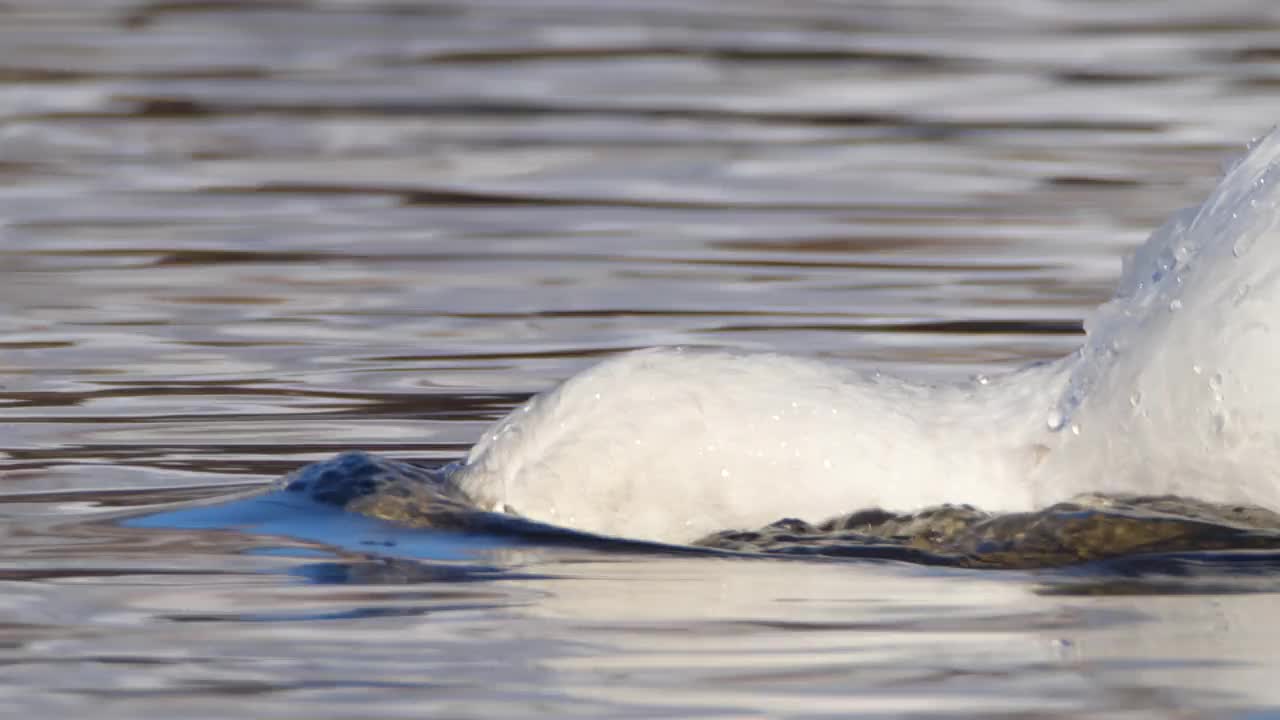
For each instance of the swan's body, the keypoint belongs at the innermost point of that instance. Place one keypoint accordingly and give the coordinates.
(1175, 391)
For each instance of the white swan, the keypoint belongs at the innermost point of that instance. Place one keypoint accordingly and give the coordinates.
(1176, 390)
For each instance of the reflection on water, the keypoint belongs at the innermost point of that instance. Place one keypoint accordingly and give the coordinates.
(238, 236)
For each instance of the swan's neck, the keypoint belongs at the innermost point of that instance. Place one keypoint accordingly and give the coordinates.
(671, 444)
(986, 439)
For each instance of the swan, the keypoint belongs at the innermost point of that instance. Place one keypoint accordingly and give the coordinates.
(1174, 390)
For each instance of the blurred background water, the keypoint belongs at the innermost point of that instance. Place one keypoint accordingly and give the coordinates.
(238, 236)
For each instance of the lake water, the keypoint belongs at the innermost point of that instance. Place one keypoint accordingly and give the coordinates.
(236, 237)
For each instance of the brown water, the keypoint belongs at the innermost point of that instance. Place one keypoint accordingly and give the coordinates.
(236, 237)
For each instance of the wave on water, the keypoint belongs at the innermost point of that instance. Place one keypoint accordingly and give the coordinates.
(1107, 534)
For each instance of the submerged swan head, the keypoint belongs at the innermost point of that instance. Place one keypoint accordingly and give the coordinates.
(1175, 390)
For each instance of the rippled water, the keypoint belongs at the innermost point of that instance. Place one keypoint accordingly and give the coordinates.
(239, 236)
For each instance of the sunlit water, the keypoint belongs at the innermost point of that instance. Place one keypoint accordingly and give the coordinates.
(237, 237)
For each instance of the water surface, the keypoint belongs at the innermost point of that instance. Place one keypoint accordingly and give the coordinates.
(238, 237)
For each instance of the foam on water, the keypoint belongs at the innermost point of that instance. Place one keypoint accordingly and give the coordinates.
(1172, 392)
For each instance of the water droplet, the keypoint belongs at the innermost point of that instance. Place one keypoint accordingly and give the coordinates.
(1164, 263)
(1197, 369)
(1056, 420)
(1244, 243)
(1215, 386)
(1075, 429)
(1241, 293)
(1175, 305)
(982, 379)
(1135, 400)
(1181, 254)
(826, 463)
(724, 472)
